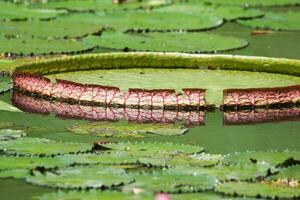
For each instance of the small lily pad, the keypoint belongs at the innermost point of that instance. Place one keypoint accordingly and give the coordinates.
(261, 189)
(185, 42)
(41, 146)
(288, 21)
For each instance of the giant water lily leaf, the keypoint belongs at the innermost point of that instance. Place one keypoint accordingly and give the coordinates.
(224, 12)
(94, 195)
(247, 3)
(289, 173)
(154, 21)
(289, 21)
(82, 177)
(11, 11)
(124, 129)
(215, 81)
(14, 173)
(148, 148)
(272, 157)
(47, 29)
(25, 44)
(227, 172)
(41, 146)
(8, 107)
(261, 189)
(9, 134)
(204, 196)
(23, 162)
(196, 160)
(5, 83)
(167, 182)
(185, 42)
(99, 5)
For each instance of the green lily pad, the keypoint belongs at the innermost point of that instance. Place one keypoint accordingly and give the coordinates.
(8, 107)
(47, 29)
(289, 173)
(9, 134)
(185, 42)
(82, 177)
(271, 157)
(28, 45)
(15, 173)
(23, 162)
(11, 11)
(204, 196)
(125, 129)
(154, 21)
(196, 160)
(94, 195)
(224, 12)
(215, 81)
(262, 189)
(5, 84)
(167, 182)
(289, 21)
(256, 3)
(41, 146)
(148, 148)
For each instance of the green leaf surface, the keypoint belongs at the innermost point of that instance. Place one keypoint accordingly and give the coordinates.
(271, 157)
(124, 129)
(11, 11)
(151, 148)
(41, 146)
(204, 196)
(288, 21)
(28, 45)
(224, 12)
(15, 173)
(262, 189)
(185, 42)
(289, 173)
(255, 3)
(8, 107)
(215, 81)
(5, 83)
(82, 177)
(94, 195)
(154, 21)
(9, 134)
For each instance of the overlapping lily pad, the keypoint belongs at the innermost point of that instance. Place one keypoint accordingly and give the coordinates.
(185, 42)
(14, 173)
(8, 107)
(41, 146)
(9, 134)
(11, 11)
(5, 83)
(262, 189)
(96, 177)
(247, 3)
(204, 196)
(289, 21)
(123, 129)
(289, 173)
(153, 21)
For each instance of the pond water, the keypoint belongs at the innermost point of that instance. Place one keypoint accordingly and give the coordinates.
(217, 132)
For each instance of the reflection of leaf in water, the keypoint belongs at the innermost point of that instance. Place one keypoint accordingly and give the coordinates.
(124, 129)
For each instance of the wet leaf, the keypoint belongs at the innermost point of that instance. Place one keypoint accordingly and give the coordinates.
(262, 189)
(288, 21)
(41, 146)
(185, 42)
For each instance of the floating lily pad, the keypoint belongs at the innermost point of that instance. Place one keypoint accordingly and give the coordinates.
(247, 3)
(215, 81)
(167, 182)
(100, 5)
(204, 196)
(153, 21)
(94, 195)
(41, 146)
(47, 29)
(272, 157)
(96, 177)
(289, 21)
(196, 160)
(124, 129)
(16, 162)
(11, 11)
(9, 134)
(28, 45)
(261, 189)
(289, 173)
(8, 107)
(224, 12)
(185, 42)
(148, 148)
(15, 173)
(5, 84)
